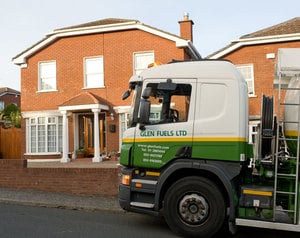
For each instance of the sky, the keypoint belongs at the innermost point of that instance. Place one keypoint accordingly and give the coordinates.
(216, 22)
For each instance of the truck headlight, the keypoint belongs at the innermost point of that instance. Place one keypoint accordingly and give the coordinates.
(125, 179)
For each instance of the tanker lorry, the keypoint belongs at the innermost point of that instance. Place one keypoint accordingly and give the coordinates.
(186, 154)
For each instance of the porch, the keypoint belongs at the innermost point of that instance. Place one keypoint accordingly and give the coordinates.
(88, 133)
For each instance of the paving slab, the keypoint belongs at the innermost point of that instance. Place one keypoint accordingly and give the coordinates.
(59, 200)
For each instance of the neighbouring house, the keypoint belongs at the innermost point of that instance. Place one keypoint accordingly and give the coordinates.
(73, 79)
(256, 54)
(9, 96)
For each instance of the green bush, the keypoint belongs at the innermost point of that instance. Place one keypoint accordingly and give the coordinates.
(11, 114)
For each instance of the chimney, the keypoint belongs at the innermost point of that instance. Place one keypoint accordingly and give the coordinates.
(186, 27)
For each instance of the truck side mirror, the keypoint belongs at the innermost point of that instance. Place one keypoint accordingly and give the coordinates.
(144, 113)
(126, 95)
(146, 92)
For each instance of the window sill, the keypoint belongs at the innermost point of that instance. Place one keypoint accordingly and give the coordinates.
(44, 153)
(86, 88)
(47, 91)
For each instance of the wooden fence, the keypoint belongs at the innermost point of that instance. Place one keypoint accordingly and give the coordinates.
(10, 143)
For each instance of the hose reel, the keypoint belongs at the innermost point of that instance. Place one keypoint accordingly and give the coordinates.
(268, 129)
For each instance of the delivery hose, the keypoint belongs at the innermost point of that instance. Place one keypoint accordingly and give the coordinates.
(267, 127)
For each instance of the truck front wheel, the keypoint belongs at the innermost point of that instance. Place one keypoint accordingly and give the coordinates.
(194, 207)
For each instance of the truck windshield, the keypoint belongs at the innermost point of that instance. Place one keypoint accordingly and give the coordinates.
(133, 114)
(169, 106)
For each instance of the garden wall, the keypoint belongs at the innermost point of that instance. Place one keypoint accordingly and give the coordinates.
(14, 173)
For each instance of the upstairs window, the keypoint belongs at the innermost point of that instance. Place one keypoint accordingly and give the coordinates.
(248, 73)
(142, 60)
(47, 76)
(94, 73)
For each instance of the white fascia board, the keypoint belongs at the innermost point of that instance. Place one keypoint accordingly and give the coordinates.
(194, 51)
(9, 93)
(48, 113)
(65, 33)
(83, 107)
(122, 109)
(22, 58)
(70, 32)
(99, 29)
(256, 41)
(91, 28)
(180, 43)
(226, 51)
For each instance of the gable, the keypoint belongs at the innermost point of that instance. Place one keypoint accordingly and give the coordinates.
(284, 32)
(102, 26)
(82, 101)
(5, 90)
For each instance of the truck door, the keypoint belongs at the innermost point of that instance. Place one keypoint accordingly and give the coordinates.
(219, 130)
(168, 132)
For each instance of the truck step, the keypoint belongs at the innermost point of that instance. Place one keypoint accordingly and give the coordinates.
(287, 175)
(287, 193)
(142, 204)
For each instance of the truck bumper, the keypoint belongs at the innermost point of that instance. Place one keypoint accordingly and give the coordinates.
(124, 197)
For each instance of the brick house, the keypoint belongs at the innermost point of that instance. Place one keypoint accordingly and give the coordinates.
(73, 79)
(255, 54)
(9, 96)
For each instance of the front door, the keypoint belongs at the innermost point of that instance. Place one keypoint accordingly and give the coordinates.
(86, 133)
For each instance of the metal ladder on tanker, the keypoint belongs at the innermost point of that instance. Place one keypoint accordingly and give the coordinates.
(279, 176)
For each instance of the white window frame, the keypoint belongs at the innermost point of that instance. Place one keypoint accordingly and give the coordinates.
(254, 136)
(123, 112)
(94, 76)
(123, 122)
(141, 60)
(253, 129)
(38, 133)
(47, 77)
(248, 76)
(1, 105)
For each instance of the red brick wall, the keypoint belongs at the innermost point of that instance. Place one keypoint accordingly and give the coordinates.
(264, 69)
(186, 29)
(89, 181)
(9, 99)
(117, 49)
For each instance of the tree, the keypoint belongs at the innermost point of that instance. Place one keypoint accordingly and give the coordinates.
(11, 114)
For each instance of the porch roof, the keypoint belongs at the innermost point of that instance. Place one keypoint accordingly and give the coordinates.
(84, 101)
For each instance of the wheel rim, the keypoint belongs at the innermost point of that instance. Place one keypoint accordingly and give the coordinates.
(193, 209)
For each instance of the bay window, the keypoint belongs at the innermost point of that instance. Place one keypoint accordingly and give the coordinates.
(44, 135)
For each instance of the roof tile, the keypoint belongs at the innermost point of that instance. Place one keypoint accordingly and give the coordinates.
(84, 98)
(102, 22)
(291, 26)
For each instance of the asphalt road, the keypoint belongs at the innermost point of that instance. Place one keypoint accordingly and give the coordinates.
(32, 222)
(28, 221)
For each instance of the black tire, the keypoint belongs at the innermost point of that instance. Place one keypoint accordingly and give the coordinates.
(194, 207)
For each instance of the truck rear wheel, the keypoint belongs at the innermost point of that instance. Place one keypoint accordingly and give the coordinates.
(194, 207)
